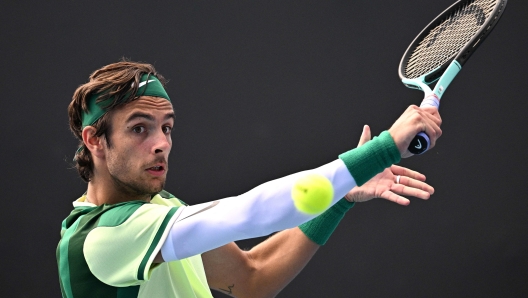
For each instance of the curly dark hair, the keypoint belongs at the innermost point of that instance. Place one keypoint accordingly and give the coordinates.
(111, 81)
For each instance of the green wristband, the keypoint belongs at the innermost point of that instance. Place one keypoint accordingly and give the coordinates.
(320, 228)
(372, 158)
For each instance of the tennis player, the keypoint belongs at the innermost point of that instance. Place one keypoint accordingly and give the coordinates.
(128, 237)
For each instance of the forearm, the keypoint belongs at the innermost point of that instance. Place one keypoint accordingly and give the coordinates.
(281, 258)
(262, 271)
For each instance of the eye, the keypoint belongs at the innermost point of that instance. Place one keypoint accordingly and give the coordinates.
(138, 129)
(167, 129)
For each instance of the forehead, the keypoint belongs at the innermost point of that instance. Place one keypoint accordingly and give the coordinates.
(155, 106)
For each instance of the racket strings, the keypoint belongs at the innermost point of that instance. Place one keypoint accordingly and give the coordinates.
(447, 39)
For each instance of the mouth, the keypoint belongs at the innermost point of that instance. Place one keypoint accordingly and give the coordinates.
(157, 170)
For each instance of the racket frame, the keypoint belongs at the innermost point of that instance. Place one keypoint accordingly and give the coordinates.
(462, 56)
(446, 72)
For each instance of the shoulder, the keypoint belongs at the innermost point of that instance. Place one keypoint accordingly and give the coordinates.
(127, 236)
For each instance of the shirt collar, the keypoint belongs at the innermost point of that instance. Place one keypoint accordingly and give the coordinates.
(82, 202)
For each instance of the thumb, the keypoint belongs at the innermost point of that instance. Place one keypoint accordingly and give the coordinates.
(365, 136)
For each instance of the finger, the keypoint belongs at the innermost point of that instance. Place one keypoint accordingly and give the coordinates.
(431, 110)
(365, 136)
(390, 196)
(432, 127)
(404, 190)
(413, 183)
(434, 132)
(397, 170)
(434, 118)
(434, 112)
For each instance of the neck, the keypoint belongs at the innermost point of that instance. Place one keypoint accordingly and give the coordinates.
(104, 190)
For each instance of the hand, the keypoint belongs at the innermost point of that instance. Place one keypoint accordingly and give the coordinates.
(413, 121)
(384, 184)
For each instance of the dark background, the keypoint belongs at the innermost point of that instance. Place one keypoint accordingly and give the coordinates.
(263, 89)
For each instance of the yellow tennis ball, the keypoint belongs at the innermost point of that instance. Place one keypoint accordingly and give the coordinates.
(312, 193)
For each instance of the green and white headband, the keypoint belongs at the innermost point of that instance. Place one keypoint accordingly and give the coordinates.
(149, 86)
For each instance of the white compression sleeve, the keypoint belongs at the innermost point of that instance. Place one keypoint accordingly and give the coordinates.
(261, 211)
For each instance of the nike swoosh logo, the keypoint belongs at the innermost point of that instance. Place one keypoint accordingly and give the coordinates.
(144, 83)
(419, 146)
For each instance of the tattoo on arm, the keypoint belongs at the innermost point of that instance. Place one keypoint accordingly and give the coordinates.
(230, 291)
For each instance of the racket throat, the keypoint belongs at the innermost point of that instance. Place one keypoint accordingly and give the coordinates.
(432, 96)
(446, 79)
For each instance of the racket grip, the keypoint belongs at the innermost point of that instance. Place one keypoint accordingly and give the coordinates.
(419, 144)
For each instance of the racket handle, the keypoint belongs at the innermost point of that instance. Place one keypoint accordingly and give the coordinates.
(419, 144)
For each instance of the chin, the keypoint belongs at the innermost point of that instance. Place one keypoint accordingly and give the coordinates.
(157, 188)
(151, 188)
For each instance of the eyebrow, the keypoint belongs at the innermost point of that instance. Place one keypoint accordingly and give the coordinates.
(147, 116)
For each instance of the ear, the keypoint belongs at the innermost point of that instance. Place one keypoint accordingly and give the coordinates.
(93, 142)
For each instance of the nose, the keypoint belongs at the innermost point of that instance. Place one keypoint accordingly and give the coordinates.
(162, 143)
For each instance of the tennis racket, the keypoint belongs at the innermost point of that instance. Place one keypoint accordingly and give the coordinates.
(438, 53)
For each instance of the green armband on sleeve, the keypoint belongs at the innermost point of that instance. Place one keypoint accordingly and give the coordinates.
(372, 158)
(320, 228)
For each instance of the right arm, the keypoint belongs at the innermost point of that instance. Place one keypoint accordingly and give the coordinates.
(268, 208)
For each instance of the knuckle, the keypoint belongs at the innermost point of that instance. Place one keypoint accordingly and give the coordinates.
(432, 134)
(412, 108)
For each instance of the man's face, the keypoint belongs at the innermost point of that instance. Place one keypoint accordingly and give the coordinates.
(140, 140)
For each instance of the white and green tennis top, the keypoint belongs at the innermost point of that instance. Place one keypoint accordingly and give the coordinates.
(108, 250)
